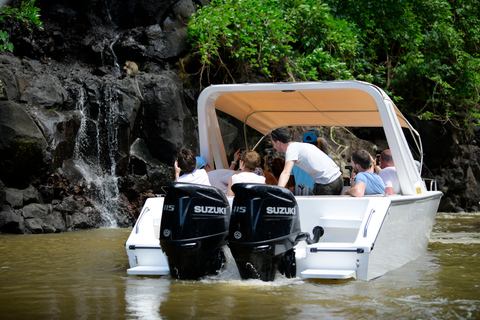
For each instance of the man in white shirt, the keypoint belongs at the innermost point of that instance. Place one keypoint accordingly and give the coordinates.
(324, 171)
(387, 172)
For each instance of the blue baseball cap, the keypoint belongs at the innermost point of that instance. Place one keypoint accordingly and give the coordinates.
(310, 137)
(201, 164)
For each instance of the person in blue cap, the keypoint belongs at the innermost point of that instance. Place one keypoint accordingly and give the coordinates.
(302, 177)
(187, 169)
(310, 137)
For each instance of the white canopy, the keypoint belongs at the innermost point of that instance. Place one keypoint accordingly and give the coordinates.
(267, 110)
(266, 106)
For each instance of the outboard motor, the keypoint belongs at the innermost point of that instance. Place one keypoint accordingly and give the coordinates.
(193, 230)
(264, 228)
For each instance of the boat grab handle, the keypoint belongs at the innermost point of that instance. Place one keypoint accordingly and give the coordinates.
(368, 222)
(146, 209)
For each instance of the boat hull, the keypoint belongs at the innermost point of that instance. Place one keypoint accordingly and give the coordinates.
(144, 253)
(364, 237)
(404, 236)
(355, 244)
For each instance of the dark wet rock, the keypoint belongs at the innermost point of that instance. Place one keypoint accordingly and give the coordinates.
(35, 210)
(22, 145)
(77, 212)
(67, 83)
(2, 193)
(31, 195)
(34, 225)
(13, 198)
(54, 222)
(11, 221)
(8, 84)
(88, 218)
(45, 91)
(39, 219)
(447, 204)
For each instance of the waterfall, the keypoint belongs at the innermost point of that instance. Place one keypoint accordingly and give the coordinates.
(96, 146)
(108, 52)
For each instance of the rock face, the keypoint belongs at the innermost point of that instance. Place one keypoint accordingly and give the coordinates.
(72, 121)
(82, 144)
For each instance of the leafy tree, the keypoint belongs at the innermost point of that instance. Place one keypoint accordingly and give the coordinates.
(27, 13)
(425, 53)
(432, 62)
(274, 39)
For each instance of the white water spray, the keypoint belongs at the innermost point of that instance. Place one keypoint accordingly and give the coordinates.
(94, 155)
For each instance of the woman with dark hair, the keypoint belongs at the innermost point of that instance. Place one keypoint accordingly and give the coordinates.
(277, 167)
(186, 163)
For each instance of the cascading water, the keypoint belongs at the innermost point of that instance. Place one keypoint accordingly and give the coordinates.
(94, 155)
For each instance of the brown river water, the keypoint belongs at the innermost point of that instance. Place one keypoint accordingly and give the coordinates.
(82, 275)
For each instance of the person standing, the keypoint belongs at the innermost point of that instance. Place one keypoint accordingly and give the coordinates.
(366, 181)
(326, 174)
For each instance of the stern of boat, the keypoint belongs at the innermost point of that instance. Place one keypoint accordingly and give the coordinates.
(145, 255)
(364, 237)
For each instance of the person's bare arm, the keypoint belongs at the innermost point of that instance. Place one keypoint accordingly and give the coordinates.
(358, 190)
(177, 170)
(285, 175)
(236, 156)
(389, 190)
(230, 192)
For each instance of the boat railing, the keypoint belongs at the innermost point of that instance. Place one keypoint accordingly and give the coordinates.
(430, 184)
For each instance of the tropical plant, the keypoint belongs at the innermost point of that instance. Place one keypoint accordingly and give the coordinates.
(275, 39)
(27, 13)
(425, 53)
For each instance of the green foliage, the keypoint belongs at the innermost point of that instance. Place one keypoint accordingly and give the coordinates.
(4, 44)
(277, 39)
(27, 13)
(424, 53)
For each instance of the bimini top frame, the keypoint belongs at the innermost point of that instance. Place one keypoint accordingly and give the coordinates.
(266, 106)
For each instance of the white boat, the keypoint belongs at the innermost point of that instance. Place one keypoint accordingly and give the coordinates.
(363, 237)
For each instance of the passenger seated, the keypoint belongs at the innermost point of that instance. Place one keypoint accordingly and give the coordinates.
(276, 168)
(218, 178)
(186, 163)
(386, 170)
(249, 162)
(366, 181)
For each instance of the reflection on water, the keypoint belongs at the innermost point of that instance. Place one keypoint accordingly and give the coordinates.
(81, 275)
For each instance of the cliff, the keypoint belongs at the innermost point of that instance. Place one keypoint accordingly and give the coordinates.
(83, 144)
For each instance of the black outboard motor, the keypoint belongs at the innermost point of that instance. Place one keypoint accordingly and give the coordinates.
(264, 228)
(193, 230)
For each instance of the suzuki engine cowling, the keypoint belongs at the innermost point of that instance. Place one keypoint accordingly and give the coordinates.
(193, 229)
(264, 228)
